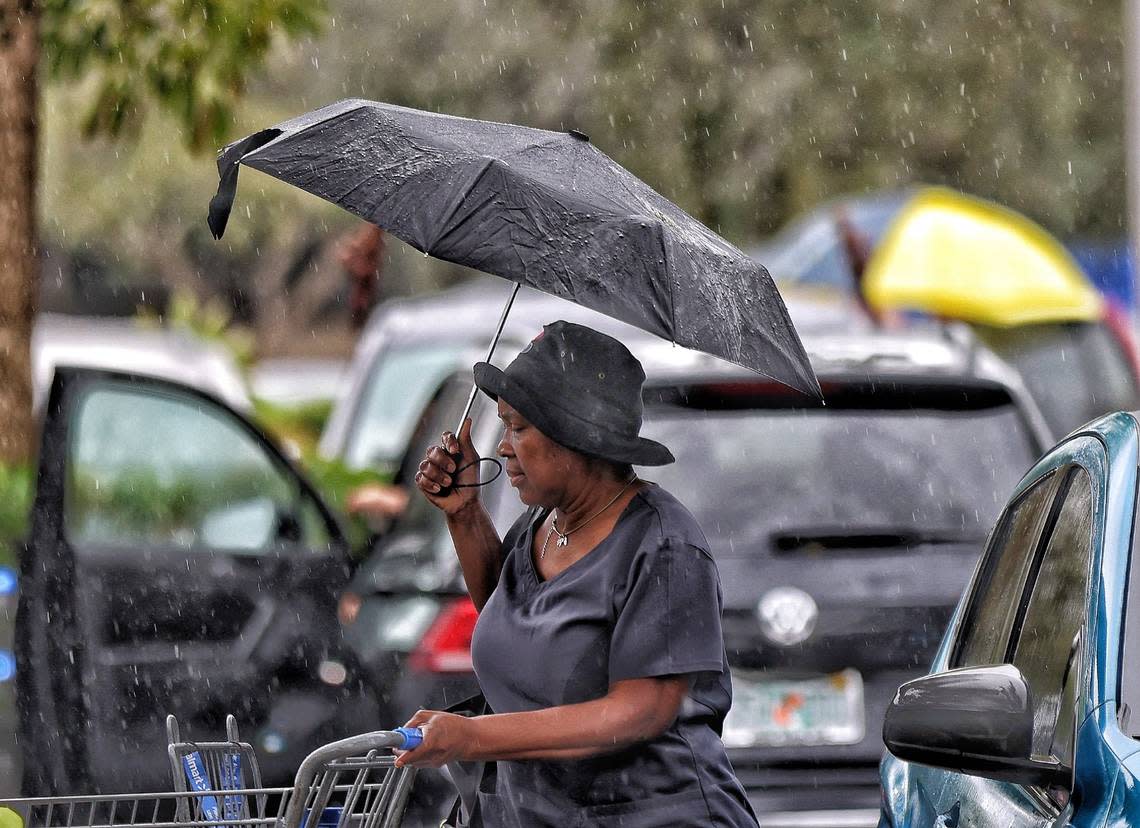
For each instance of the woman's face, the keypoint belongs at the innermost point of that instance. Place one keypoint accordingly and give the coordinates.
(536, 465)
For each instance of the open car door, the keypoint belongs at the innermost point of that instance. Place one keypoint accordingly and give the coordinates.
(177, 563)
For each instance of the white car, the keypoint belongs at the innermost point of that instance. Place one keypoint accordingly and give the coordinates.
(410, 346)
(125, 345)
(293, 381)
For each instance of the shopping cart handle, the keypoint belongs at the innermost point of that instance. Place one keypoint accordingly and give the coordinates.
(413, 737)
(371, 749)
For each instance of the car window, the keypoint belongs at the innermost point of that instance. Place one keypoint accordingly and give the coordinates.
(1047, 643)
(983, 636)
(766, 481)
(1128, 681)
(398, 390)
(150, 467)
(1075, 371)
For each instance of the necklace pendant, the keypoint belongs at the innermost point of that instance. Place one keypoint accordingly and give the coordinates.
(563, 540)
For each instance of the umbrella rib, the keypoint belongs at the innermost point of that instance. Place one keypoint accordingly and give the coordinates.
(669, 275)
(456, 203)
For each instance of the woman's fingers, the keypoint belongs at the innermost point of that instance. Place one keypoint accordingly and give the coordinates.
(404, 757)
(421, 717)
(453, 461)
(441, 459)
(435, 470)
(424, 755)
(464, 440)
(460, 445)
(444, 739)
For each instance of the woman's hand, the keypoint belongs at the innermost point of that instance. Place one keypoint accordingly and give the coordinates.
(439, 466)
(447, 737)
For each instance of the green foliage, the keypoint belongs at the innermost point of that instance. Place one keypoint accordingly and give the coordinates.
(138, 501)
(296, 426)
(209, 320)
(334, 480)
(748, 113)
(744, 113)
(192, 57)
(17, 485)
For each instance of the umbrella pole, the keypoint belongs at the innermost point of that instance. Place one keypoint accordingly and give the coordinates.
(490, 353)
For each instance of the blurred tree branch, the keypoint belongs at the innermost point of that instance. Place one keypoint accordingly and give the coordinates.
(190, 58)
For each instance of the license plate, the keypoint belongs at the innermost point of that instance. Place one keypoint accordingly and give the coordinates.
(816, 710)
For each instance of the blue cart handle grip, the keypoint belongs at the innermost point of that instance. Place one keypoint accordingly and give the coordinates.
(413, 737)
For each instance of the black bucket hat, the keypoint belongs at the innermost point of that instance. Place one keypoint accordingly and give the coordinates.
(581, 389)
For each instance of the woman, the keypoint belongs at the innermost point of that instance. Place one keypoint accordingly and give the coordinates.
(598, 643)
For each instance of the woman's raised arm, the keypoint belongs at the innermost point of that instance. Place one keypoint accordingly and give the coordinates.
(477, 544)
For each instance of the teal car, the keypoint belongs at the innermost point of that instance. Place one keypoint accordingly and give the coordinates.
(1026, 717)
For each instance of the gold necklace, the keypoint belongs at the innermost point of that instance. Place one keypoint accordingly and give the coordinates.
(564, 537)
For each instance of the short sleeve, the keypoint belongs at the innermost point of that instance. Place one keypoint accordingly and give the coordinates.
(669, 620)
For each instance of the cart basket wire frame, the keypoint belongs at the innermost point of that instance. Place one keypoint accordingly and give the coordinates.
(229, 765)
(351, 783)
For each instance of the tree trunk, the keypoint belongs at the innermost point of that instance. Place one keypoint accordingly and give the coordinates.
(19, 266)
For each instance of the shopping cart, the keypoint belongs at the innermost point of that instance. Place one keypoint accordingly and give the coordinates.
(352, 783)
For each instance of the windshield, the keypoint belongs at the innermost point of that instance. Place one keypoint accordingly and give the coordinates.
(399, 388)
(774, 479)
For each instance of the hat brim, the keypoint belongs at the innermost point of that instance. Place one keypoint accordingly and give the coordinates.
(565, 428)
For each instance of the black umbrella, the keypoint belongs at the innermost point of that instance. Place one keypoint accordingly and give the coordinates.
(544, 209)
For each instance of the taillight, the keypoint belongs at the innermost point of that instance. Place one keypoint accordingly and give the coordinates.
(446, 646)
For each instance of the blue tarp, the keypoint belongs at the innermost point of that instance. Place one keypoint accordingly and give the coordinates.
(1110, 267)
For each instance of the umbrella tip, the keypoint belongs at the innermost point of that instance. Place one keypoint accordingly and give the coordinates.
(219, 214)
(581, 136)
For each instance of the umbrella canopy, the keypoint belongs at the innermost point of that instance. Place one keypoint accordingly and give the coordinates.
(955, 256)
(543, 209)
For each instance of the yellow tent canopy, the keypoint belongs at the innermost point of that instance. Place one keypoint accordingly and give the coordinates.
(960, 257)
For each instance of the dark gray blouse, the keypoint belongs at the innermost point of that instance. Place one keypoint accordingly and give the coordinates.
(644, 602)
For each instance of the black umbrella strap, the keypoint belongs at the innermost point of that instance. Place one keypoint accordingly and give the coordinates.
(498, 473)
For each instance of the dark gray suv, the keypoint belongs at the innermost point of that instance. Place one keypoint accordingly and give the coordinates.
(844, 534)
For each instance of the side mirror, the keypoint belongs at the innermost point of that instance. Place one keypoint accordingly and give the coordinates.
(976, 720)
